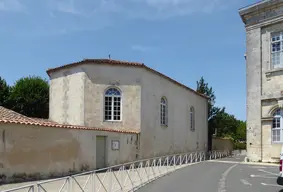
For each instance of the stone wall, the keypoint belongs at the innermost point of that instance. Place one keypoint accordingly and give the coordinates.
(254, 94)
(34, 150)
(222, 144)
(176, 137)
(77, 95)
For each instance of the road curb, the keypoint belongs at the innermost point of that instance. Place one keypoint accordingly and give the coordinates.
(245, 163)
(258, 163)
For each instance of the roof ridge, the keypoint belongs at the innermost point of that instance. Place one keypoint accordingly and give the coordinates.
(128, 63)
(15, 113)
(12, 111)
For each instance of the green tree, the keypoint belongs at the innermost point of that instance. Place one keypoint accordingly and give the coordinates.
(4, 92)
(220, 122)
(225, 124)
(30, 96)
(203, 88)
(241, 132)
(214, 113)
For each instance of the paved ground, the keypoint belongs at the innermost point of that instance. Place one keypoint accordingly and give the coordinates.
(225, 175)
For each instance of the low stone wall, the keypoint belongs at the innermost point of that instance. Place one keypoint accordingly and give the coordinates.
(222, 144)
(239, 152)
(33, 152)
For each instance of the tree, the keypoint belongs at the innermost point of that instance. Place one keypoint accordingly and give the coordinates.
(213, 111)
(225, 124)
(241, 132)
(30, 96)
(203, 88)
(4, 92)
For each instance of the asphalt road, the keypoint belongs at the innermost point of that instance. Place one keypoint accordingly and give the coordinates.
(225, 175)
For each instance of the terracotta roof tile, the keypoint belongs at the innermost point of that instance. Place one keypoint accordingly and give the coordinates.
(125, 63)
(9, 116)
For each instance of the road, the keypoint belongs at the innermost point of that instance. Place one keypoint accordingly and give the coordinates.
(225, 175)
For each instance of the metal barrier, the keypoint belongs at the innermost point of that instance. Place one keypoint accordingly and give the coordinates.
(125, 177)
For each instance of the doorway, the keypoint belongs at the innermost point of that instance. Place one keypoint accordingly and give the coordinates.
(100, 152)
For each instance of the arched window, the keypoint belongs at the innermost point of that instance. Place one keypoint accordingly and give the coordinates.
(112, 105)
(192, 118)
(277, 127)
(163, 111)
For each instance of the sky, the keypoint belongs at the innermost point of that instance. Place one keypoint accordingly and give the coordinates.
(184, 39)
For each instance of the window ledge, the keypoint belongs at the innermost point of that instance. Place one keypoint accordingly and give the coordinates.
(272, 97)
(113, 121)
(276, 143)
(266, 118)
(272, 71)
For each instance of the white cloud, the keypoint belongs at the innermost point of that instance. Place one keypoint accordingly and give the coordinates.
(67, 7)
(12, 5)
(147, 9)
(162, 9)
(63, 16)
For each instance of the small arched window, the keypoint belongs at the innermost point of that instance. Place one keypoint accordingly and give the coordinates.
(192, 118)
(112, 105)
(163, 111)
(277, 126)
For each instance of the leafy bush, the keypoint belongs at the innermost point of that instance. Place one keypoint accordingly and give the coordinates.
(238, 145)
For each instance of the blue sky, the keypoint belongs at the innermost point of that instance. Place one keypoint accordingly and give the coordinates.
(184, 39)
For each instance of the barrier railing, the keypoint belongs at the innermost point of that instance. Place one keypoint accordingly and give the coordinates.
(125, 177)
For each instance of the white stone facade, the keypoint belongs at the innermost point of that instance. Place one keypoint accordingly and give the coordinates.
(264, 79)
(77, 98)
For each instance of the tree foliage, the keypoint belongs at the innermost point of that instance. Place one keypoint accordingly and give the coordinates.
(213, 111)
(219, 121)
(203, 88)
(4, 92)
(241, 132)
(30, 96)
(225, 124)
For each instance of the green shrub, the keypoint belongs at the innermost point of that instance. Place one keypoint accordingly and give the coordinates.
(238, 145)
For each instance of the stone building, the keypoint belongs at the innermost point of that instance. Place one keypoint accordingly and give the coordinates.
(103, 112)
(123, 95)
(264, 67)
(31, 146)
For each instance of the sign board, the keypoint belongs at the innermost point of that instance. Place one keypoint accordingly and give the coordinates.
(115, 144)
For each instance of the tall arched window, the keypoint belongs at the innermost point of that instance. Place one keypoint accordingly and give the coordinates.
(277, 127)
(163, 111)
(192, 118)
(112, 105)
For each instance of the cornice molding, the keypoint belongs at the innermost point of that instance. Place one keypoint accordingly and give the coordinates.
(262, 12)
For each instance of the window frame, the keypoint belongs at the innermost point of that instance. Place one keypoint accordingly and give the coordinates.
(163, 106)
(272, 53)
(192, 119)
(112, 104)
(277, 114)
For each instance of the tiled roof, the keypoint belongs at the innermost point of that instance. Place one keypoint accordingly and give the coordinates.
(9, 116)
(124, 63)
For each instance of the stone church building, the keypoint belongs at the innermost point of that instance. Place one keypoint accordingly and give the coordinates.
(103, 112)
(170, 117)
(264, 68)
